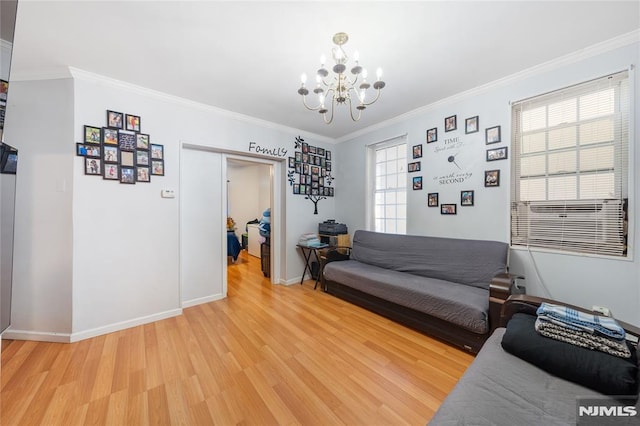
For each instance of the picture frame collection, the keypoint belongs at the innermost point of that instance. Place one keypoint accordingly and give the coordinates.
(491, 177)
(4, 89)
(310, 170)
(120, 151)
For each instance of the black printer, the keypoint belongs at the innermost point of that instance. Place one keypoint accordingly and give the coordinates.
(330, 227)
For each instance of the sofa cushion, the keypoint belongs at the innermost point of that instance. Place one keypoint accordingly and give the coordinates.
(470, 262)
(597, 370)
(501, 389)
(458, 304)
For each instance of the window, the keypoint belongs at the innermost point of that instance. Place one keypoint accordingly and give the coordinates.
(570, 168)
(388, 169)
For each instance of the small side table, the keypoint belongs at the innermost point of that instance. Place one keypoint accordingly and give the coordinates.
(307, 252)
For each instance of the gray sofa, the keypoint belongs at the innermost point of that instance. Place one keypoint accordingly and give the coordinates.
(449, 288)
(499, 388)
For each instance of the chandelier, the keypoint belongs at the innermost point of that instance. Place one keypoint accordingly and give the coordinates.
(339, 88)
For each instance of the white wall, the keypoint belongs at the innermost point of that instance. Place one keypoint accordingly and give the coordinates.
(249, 193)
(579, 280)
(94, 256)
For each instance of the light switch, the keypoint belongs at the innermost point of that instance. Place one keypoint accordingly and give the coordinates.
(167, 193)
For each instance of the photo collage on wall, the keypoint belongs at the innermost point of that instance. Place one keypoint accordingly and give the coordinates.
(120, 151)
(310, 172)
(4, 89)
(467, 196)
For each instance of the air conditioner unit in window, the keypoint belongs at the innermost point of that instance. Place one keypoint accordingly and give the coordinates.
(594, 226)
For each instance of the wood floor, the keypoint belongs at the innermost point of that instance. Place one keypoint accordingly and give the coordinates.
(264, 355)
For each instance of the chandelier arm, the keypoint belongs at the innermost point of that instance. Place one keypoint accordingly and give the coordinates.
(351, 112)
(333, 107)
(304, 102)
(373, 101)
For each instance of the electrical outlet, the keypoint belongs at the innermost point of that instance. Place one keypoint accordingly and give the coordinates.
(601, 310)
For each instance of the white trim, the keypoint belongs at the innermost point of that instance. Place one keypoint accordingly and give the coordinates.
(89, 76)
(202, 300)
(580, 55)
(46, 336)
(290, 281)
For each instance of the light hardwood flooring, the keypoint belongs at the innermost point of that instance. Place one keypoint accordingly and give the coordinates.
(264, 355)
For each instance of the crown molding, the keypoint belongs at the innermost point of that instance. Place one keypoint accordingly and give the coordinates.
(580, 55)
(77, 73)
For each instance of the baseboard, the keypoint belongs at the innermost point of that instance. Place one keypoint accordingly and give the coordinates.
(39, 336)
(75, 337)
(201, 300)
(290, 281)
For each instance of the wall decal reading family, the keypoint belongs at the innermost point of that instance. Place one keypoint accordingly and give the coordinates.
(120, 151)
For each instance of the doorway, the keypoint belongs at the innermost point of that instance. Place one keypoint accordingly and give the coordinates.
(203, 221)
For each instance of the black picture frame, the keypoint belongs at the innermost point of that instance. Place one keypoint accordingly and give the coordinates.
(126, 140)
(128, 175)
(292, 162)
(142, 141)
(132, 122)
(143, 174)
(127, 159)
(491, 178)
(450, 123)
(492, 135)
(327, 154)
(417, 151)
(497, 154)
(472, 125)
(413, 167)
(4, 90)
(432, 199)
(296, 188)
(157, 151)
(115, 119)
(142, 157)
(298, 157)
(88, 150)
(432, 135)
(157, 167)
(111, 171)
(110, 136)
(110, 154)
(417, 183)
(448, 209)
(467, 198)
(92, 134)
(92, 166)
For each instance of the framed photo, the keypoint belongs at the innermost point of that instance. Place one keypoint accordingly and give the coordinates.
(126, 158)
(492, 135)
(312, 150)
(92, 166)
(414, 167)
(126, 140)
(330, 192)
(143, 174)
(328, 155)
(320, 152)
(298, 157)
(115, 119)
(432, 199)
(471, 125)
(305, 158)
(111, 172)
(92, 134)
(132, 122)
(328, 166)
(448, 209)
(450, 123)
(432, 135)
(142, 157)
(417, 183)
(466, 198)
(315, 170)
(491, 178)
(497, 154)
(417, 151)
(88, 150)
(292, 162)
(110, 154)
(127, 175)
(142, 141)
(296, 188)
(157, 152)
(305, 147)
(4, 89)
(109, 136)
(157, 168)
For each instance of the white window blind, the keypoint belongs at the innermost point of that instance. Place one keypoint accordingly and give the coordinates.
(389, 170)
(570, 168)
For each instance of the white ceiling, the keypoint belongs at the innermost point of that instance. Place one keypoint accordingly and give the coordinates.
(247, 57)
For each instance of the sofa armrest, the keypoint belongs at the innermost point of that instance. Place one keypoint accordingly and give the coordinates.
(332, 254)
(521, 303)
(499, 291)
